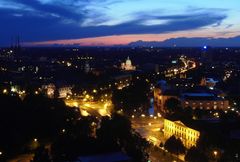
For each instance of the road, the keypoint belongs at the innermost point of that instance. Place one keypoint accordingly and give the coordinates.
(22, 158)
(149, 127)
(87, 108)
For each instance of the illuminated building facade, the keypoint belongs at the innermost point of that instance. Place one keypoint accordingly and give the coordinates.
(128, 65)
(49, 90)
(189, 136)
(64, 91)
(197, 97)
(205, 102)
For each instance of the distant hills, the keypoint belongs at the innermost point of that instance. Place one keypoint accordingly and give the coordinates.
(190, 42)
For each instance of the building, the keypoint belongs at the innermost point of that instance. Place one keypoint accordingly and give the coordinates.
(121, 81)
(204, 98)
(49, 90)
(128, 65)
(87, 67)
(209, 82)
(204, 101)
(195, 97)
(65, 91)
(160, 98)
(189, 136)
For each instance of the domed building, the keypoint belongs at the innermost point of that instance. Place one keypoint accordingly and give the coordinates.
(128, 65)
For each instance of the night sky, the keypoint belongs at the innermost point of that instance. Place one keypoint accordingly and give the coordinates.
(110, 22)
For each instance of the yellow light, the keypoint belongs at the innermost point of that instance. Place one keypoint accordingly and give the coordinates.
(5, 91)
(103, 112)
(36, 92)
(69, 64)
(149, 124)
(215, 153)
(63, 130)
(159, 115)
(94, 91)
(84, 113)
(13, 89)
(75, 104)
(133, 116)
(35, 139)
(143, 115)
(87, 105)
(87, 96)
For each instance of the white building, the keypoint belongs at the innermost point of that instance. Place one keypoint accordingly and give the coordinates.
(128, 65)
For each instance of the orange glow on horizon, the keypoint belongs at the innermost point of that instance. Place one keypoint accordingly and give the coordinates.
(125, 39)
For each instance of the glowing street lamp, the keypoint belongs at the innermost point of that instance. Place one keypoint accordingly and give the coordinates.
(5, 91)
(215, 153)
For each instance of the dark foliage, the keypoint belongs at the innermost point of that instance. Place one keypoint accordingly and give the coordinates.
(195, 155)
(41, 155)
(174, 145)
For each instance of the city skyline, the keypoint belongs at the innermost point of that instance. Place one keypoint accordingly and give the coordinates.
(115, 22)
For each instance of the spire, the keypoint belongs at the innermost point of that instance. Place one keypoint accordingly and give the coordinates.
(203, 82)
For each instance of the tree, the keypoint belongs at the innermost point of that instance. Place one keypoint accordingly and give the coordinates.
(132, 97)
(173, 105)
(195, 155)
(117, 133)
(41, 155)
(174, 145)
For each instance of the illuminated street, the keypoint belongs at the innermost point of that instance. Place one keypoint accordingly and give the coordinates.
(91, 108)
(187, 65)
(149, 128)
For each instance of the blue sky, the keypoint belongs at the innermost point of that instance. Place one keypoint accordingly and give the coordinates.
(102, 21)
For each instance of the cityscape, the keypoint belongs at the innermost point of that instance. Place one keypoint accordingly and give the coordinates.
(119, 81)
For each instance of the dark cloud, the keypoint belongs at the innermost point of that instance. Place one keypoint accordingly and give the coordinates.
(52, 22)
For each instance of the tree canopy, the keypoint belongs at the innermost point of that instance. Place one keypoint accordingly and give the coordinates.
(174, 145)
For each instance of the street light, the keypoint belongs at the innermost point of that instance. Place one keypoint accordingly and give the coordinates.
(5, 91)
(215, 153)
